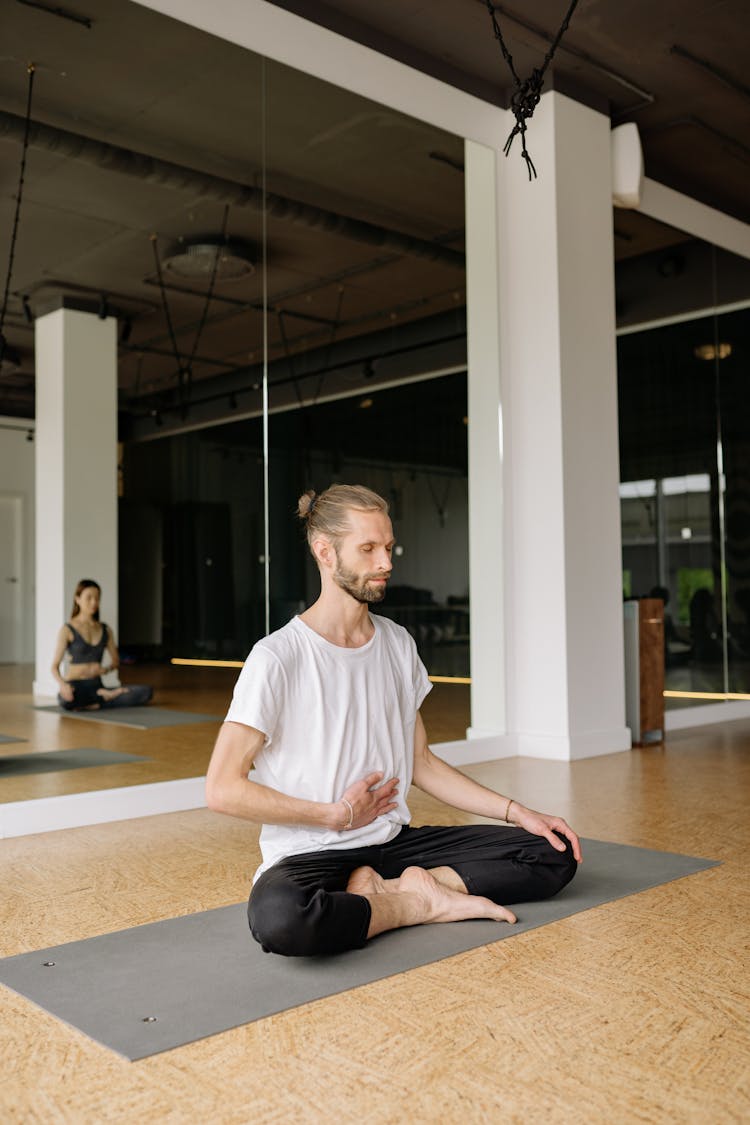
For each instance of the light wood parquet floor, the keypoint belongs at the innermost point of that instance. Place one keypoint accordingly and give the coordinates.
(636, 1011)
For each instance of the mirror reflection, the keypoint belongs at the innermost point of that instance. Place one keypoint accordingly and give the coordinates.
(682, 355)
(285, 264)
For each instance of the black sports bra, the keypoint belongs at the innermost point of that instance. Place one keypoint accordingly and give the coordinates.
(81, 652)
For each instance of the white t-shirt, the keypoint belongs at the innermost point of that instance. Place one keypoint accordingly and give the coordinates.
(331, 715)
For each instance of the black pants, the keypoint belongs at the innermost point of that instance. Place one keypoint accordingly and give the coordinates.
(300, 906)
(85, 694)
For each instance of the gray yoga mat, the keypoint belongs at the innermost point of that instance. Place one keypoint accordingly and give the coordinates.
(144, 718)
(148, 989)
(11, 738)
(15, 765)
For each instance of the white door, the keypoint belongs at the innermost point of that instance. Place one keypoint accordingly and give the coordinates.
(11, 589)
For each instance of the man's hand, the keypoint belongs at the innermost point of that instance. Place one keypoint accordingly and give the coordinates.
(539, 824)
(370, 800)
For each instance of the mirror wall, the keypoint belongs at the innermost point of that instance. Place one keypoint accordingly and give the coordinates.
(333, 348)
(683, 352)
(285, 262)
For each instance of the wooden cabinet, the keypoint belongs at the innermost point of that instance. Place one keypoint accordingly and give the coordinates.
(644, 670)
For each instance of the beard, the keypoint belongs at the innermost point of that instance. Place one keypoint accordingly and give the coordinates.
(357, 585)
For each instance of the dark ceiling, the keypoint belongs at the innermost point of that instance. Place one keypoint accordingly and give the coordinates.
(147, 127)
(678, 68)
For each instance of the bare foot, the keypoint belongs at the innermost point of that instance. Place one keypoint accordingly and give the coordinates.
(449, 878)
(366, 881)
(111, 693)
(441, 904)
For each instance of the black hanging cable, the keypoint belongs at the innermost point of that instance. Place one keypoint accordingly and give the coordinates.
(329, 345)
(31, 69)
(289, 356)
(441, 504)
(185, 369)
(526, 94)
(170, 326)
(209, 295)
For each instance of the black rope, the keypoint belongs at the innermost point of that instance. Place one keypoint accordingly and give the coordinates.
(31, 71)
(526, 94)
(209, 295)
(185, 369)
(440, 505)
(289, 356)
(170, 326)
(327, 356)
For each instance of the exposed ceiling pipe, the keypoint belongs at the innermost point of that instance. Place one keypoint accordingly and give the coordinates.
(151, 169)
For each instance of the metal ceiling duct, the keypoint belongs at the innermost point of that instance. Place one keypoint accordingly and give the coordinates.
(151, 169)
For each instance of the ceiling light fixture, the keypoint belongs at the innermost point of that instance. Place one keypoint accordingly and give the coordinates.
(710, 352)
(195, 260)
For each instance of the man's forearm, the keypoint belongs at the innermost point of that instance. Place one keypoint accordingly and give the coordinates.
(440, 780)
(259, 803)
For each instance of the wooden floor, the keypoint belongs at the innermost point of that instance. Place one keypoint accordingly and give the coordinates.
(636, 1011)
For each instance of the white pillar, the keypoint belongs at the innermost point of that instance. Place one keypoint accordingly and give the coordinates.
(76, 471)
(485, 449)
(564, 636)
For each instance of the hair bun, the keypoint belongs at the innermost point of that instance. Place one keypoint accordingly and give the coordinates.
(306, 504)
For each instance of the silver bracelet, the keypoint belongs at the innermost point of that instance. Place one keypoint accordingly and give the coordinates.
(351, 815)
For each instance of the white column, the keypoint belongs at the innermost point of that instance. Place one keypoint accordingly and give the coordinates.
(564, 635)
(485, 448)
(76, 471)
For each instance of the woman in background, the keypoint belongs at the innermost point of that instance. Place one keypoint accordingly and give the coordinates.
(84, 638)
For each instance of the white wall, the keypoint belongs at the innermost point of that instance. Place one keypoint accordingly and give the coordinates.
(17, 479)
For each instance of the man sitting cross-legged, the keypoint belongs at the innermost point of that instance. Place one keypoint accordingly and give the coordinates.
(327, 711)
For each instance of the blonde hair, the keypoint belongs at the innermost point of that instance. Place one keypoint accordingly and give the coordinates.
(328, 513)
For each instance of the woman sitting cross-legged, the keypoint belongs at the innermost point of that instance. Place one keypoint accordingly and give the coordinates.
(84, 639)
